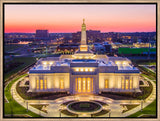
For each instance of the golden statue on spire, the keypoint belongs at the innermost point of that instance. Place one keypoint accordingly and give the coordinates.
(83, 21)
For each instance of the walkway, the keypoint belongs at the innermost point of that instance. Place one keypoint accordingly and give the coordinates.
(54, 105)
(146, 102)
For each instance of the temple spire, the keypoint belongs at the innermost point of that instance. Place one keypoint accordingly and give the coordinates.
(83, 33)
(83, 21)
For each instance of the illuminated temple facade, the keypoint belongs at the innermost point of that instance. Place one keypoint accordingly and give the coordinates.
(84, 73)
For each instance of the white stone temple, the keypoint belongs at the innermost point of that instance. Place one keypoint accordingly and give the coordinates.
(84, 73)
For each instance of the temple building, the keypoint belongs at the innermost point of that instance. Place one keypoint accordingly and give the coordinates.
(84, 72)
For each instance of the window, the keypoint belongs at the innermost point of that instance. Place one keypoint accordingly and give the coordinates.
(88, 84)
(61, 84)
(76, 84)
(92, 83)
(37, 84)
(122, 84)
(41, 83)
(45, 84)
(84, 69)
(127, 83)
(79, 84)
(131, 84)
(84, 84)
(106, 83)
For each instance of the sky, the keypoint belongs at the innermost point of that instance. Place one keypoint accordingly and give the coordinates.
(57, 18)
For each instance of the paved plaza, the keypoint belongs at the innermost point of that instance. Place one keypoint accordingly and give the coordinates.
(54, 106)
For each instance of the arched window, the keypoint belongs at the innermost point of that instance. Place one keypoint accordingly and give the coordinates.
(127, 84)
(45, 84)
(79, 84)
(131, 84)
(123, 83)
(106, 83)
(37, 83)
(61, 84)
(41, 83)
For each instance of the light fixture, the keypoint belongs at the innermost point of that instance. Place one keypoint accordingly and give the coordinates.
(81, 69)
(117, 62)
(91, 69)
(51, 63)
(86, 69)
(77, 69)
(124, 62)
(44, 63)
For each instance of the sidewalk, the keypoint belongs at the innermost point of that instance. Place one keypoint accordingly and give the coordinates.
(54, 105)
(146, 102)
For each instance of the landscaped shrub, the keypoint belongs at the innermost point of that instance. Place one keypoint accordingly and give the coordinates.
(145, 92)
(23, 92)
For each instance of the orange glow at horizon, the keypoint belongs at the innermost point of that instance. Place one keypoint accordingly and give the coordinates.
(70, 28)
(69, 18)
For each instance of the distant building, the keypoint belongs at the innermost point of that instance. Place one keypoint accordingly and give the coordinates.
(97, 47)
(138, 45)
(42, 34)
(105, 47)
(67, 47)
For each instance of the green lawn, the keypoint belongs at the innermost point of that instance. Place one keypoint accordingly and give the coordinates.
(146, 91)
(149, 71)
(40, 106)
(13, 107)
(149, 77)
(145, 62)
(129, 107)
(150, 109)
(66, 112)
(149, 63)
(12, 47)
(26, 62)
(102, 112)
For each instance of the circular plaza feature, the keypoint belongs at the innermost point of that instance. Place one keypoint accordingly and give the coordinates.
(87, 107)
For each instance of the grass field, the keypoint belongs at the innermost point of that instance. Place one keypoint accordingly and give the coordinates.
(66, 112)
(13, 107)
(40, 106)
(147, 73)
(148, 63)
(102, 112)
(129, 107)
(12, 47)
(150, 109)
(149, 77)
(25, 60)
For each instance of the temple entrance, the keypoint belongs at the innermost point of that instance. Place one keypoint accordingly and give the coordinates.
(84, 85)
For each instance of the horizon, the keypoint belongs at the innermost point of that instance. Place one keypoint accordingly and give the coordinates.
(76, 32)
(123, 18)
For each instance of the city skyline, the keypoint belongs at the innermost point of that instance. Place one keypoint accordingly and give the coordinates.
(103, 17)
